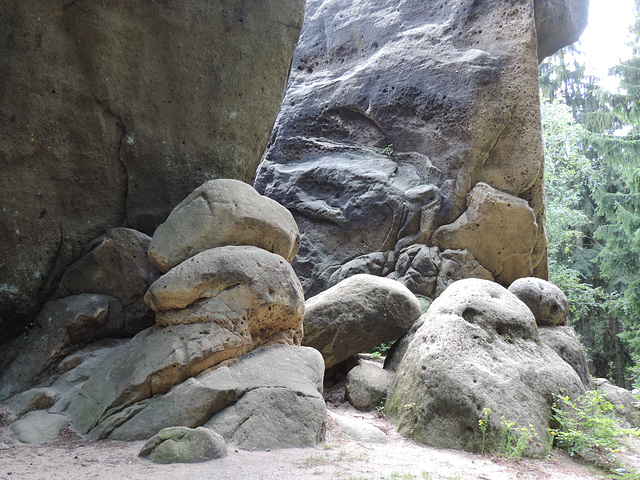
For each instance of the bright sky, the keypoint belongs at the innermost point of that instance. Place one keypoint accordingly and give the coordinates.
(604, 40)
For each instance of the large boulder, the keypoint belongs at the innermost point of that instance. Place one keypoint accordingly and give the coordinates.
(152, 363)
(357, 314)
(112, 112)
(436, 98)
(39, 427)
(116, 264)
(506, 255)
(184, 445)
(292, 372)
(232, 286)
(477, 357)
(367, 385)
(220, 213)
(547, 302)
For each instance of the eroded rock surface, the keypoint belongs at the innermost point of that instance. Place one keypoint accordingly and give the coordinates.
(546, 301)
(220, 213)
(438, 98)
(115, 264)
(477, 349)
(357, 314)
(232, 286)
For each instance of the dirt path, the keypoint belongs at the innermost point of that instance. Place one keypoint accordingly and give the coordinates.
(398, 459)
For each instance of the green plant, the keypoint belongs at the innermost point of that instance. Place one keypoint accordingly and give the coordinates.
(381, 349)
(389, 152)
(482, 424)
(585, 424)
(402, 476)
(588, 428)
(514, 440)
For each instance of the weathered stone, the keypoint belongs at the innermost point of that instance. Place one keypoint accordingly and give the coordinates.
(184, 445)
(117, 265)
(193, 402)
(547, 302)
(564, 341)
(426, 271)
(399, 348)
(356, 429)
(625, 403)
(336, 198)
(506, 255)
(367, 386)
(152, 363)
(112, 112)
(34, 399)
(232, 285)
(559, 23)
(439, 91)
(477, 349)
(273, 417)
(39, 427)
(357, 314)
(63, 325)
(220, 213)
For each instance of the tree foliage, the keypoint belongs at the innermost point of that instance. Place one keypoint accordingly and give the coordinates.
(592, 147)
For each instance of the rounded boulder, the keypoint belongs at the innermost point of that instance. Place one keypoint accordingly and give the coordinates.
(220, 213)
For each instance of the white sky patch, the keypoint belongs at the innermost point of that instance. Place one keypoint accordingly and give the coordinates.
(604, 42)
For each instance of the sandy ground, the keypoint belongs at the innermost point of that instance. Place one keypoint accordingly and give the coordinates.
(72, 457)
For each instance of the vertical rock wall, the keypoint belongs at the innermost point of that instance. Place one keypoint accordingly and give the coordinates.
(402, 118)
(112, 112)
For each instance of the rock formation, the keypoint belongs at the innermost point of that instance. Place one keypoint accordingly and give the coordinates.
(417, 123)
(357, 314)
(184, 445)
(112, 113)
(191, 367)
(477, 349)
(550, 307)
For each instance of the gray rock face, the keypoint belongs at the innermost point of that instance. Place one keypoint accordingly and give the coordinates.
(547, 302)
(357, 314)
(433, 100)
(477, 349)
(152, 363)
(192, 403)
(63, 325)
(117, 265)
(564, 341)
(425, 271)
(113, 112)
(559, 23)
(184, 445)
(219, 213)
(276, 417)
(367, 386)
(335, 200)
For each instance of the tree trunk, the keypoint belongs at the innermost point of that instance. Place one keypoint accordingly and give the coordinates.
(614, 324)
